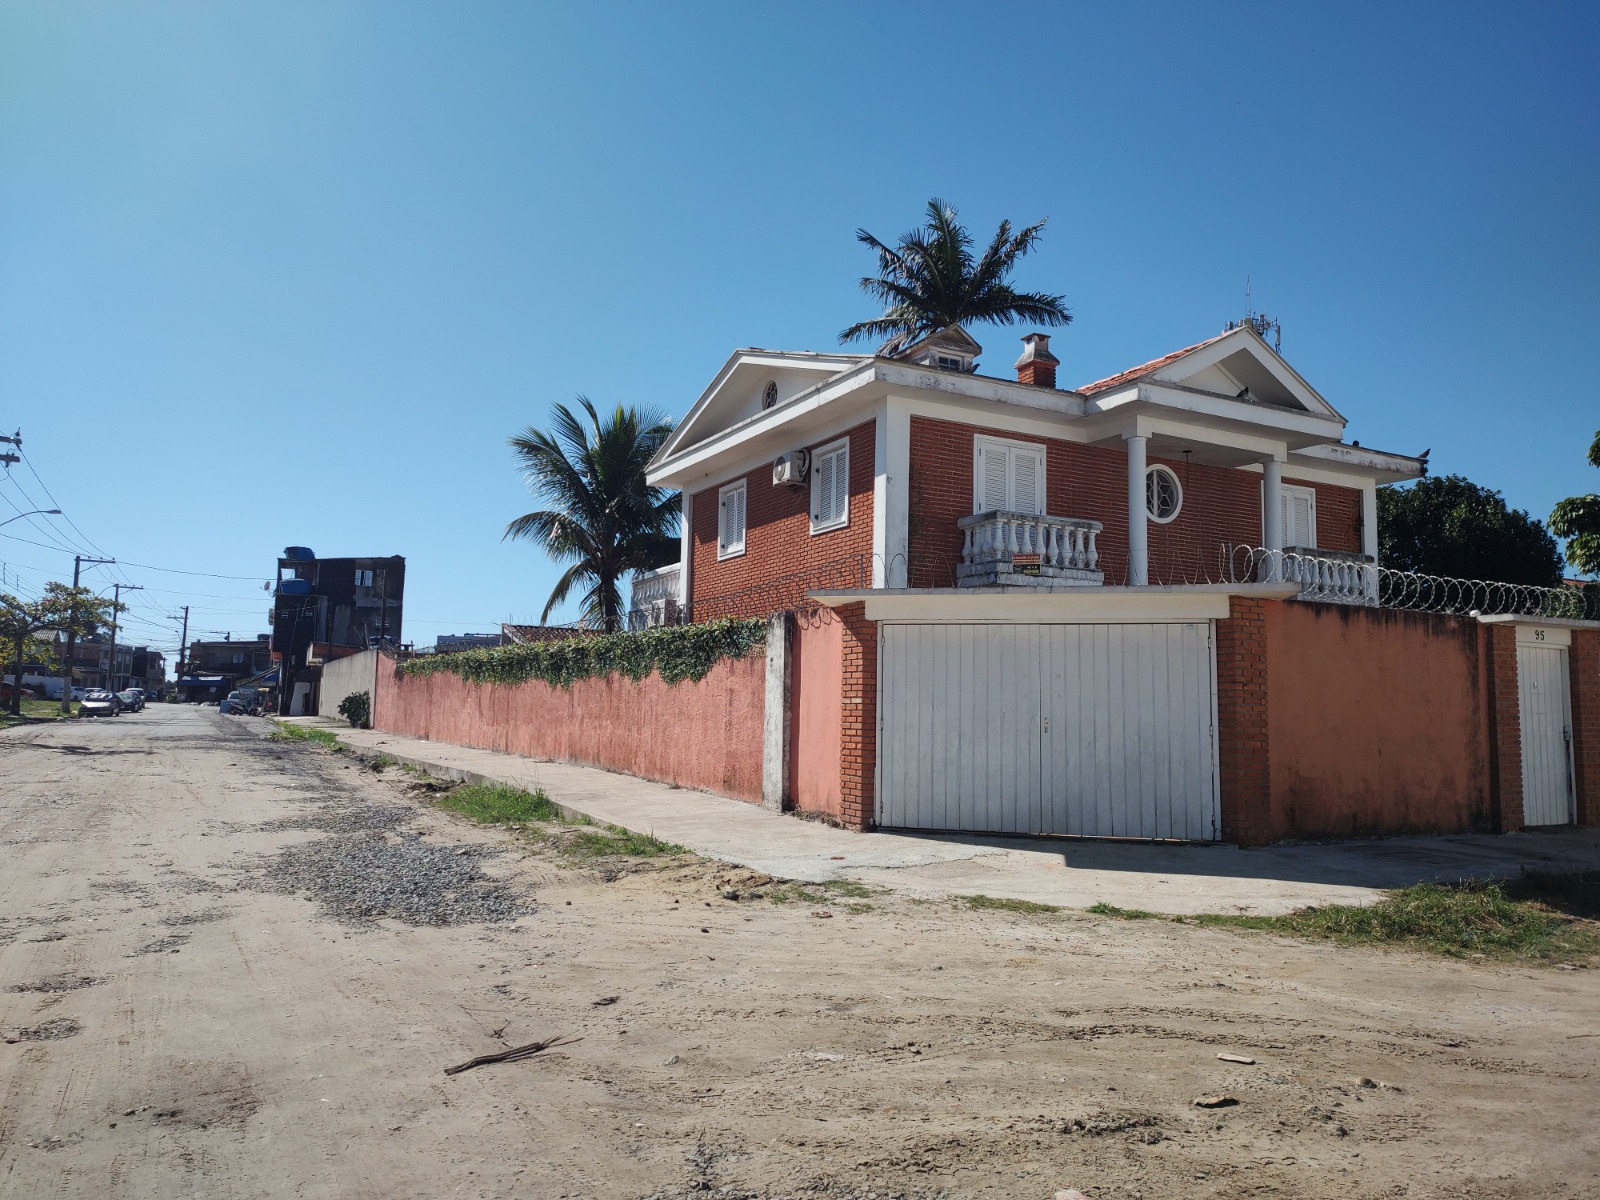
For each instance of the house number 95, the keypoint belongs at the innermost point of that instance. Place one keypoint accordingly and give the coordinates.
(1538, 635)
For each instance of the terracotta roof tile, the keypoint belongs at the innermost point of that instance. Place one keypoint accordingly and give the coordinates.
(1155, 364)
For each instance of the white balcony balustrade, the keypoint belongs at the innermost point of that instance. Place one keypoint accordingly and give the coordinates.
(654, 599)
(1063, 547)
(1331, 576)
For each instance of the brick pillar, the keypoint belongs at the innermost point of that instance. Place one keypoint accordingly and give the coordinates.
(1505, 727)
(859, 720)
(1584, 664)
(1243, 753)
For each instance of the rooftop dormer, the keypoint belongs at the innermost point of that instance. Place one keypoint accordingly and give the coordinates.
(950, 349)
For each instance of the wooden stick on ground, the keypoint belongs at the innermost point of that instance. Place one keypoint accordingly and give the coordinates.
(512, 1055)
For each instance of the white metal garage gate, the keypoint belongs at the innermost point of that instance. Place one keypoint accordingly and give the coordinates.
(1097, 730)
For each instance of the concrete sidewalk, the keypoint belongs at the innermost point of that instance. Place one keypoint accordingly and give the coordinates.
(1074, 874)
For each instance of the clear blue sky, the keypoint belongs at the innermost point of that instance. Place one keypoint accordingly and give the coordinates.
(292, 272)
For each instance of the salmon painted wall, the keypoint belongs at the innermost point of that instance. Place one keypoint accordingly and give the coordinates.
(816, 689)
(1375, 722)
(705, 735)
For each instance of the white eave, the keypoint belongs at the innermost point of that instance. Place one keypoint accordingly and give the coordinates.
(867, 380)
(1377, 465)
(1298, 429)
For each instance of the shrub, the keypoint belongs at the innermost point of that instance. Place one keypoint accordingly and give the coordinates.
(357, 709)
(678, 652)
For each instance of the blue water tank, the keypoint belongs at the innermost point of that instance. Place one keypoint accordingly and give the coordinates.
(299, 553)
(295, 587)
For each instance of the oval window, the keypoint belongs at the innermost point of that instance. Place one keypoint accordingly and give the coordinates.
(769, 398)
(1163, 494)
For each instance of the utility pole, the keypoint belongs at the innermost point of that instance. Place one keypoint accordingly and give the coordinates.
(116, 600)
(77, 566)
(183, 642)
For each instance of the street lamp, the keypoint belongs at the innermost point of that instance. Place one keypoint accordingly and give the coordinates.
(47, 512)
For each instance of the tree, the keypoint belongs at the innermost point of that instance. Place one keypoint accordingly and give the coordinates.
(1447, 525)
(60, 608)
(1577, 518)
(929, 282)
(603, 518)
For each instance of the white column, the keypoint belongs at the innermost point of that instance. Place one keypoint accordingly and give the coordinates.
(1272, 516)
(1138, 514)
(686, 553)
(892, 495)
(1369, 538)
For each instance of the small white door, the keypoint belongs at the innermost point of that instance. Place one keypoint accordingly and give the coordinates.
(1544, 703)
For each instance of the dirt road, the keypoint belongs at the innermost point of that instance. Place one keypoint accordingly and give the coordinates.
(191, 1019)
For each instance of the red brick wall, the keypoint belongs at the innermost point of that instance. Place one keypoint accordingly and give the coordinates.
(1505, 727)
(782, 557)
(1243, 760)
(859, 719)
(1220, 505)
(705, 734)
(1584, 664)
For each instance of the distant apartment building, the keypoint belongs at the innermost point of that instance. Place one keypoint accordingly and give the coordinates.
(448, 643)
(326, 608)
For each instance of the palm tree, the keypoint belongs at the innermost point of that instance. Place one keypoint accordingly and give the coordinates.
(603, 518)
(929, 282)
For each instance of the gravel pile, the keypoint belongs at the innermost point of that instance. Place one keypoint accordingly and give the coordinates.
(352, 818)
(363, 877)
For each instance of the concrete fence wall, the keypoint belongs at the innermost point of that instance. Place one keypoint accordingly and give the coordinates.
(706, 734)
(342, 677)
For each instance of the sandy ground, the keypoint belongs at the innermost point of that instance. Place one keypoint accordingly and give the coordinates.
(197, 1036)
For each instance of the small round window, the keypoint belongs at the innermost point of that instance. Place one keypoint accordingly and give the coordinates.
(1163, 494)
(769, 398)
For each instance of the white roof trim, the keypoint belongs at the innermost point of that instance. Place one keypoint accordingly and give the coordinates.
(1065, 605)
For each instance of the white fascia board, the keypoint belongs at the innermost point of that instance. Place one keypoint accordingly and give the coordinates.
(1233, 438)
(869, 380)
(1558, 629)
(1068, 605)
(752, 356)
(671, 470)
(1274, 362)
(1369, 464)
(1293, 428)
(1006, 419)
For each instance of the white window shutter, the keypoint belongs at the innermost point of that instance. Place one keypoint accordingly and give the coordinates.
(738, 523)
(822, 491)
(1299, 506)
(1025, 472)
(992, 470)
(841, 485)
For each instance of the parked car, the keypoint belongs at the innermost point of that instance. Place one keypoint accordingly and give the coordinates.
(6, 690)
(132, 699)
(78, 693)
(234, 703)
(97, 702)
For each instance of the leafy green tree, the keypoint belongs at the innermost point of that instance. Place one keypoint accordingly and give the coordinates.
(929, 281)
(1447, 525)
(602, 517)
(61, 609)
(1577, 518)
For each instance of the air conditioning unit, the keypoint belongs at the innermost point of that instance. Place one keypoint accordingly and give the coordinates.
(789, 470)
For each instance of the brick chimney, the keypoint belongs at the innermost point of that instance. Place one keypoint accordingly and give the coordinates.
(1037, 366)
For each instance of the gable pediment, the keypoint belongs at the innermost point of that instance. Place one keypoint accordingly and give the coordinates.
(1239, 366)
(750, 382)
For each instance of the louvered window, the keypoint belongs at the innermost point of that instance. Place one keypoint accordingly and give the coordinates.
(830, 487)
(1299, 508)
(1008, 476)
(1299, 516)
(730, 520)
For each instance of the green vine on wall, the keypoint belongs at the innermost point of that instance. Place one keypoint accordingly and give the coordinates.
(677, 652)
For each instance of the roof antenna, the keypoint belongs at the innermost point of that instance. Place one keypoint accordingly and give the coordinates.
(1260, 322)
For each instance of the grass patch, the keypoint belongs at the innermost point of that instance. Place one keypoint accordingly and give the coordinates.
(1102, 909)
(1539, 918)
(1018, 906)
(35, 710)
(828, 891)
(605, 841)
(305, 733)
(497, 804)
